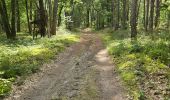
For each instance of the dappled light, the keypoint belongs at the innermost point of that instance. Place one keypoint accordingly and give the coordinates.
(84, 49)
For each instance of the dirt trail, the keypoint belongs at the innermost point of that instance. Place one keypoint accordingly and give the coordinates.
(81, 72)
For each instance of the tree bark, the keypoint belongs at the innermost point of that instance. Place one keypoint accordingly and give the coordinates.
(151, 18)
(59, 15)
(28, 19)
(5, 19)
(18, 17)
(144, 13)
(157, 13)
(124, 12)
(49, 17)
(42, 18)
(54, 22)
(113, 14)
(13, 19)
(147, 15)
(133, 21)
(117, 14)
(88, 17)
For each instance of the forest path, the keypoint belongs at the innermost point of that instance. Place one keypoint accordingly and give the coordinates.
(82, 72)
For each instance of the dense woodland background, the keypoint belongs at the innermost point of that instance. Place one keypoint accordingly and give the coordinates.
(138, 35)
(43, 16)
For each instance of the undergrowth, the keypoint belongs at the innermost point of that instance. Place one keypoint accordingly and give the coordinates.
(143, 65)
(24, 56)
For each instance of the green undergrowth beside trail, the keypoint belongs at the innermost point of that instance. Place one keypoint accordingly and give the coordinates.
(144, 66)
(24, 56)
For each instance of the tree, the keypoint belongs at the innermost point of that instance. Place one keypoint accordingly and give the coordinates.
(133, 20)
(18, 16)
(147, 15)
(157, 13)
(124, 15)
(117, 14)
(28, 19)
(43, 19)
(54, 22)
(152, 2)
(5, 19)
(13, 19)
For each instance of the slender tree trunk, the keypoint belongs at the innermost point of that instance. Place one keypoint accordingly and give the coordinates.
(138, 7)
(168, 20)
(42, 18)
(113, 14)
(144, 13)
(49, 17)
(28, 19)
(13, 19)
(31, 16)
(18, 17)
(117, 14)
(87, 17)
(124, 19)
(0, 24)
(133, 21)
(54, 23)
(59, 15)
(151, 18)
(157, 13)
(4, 17)
(147, 15)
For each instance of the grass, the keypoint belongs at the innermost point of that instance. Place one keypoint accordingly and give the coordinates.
(143, 65)
(24, 56)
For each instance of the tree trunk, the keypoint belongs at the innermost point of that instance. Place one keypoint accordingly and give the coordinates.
(42, 18)
(147, 15)
(59, 15)
(31, 16)
(113, 14)
(144, 13)
(49, 17)
(0, 24)
(54, 22)
(18, 17)
(28, 19)
(133, 21)
(124, 19)
(157, 13)
(151, 18)
(87, 17)
(117, 14)
(4, 17)
(13, 19)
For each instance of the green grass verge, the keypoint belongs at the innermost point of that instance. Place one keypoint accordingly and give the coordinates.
(24, 56)
(143, 65)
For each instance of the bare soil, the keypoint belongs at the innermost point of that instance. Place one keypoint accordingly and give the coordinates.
(83, 71)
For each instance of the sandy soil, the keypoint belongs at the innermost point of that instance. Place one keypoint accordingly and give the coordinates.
(82, 72)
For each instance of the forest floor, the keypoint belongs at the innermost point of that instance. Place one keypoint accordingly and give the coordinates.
(84, 71)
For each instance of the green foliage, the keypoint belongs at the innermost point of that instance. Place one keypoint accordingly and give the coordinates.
(140, 62)
(24, 56)
(5, 86)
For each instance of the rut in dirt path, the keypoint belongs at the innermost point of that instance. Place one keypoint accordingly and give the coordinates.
(81, 72)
